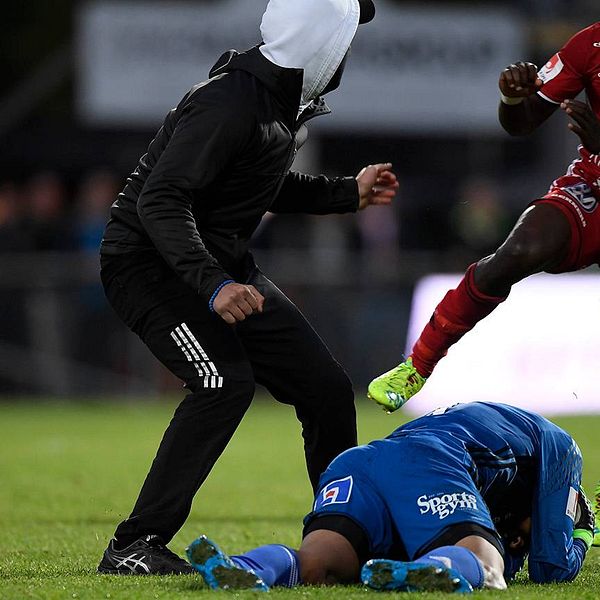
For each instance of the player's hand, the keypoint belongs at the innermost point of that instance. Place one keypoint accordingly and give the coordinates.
(377, 185)
(520, 80)
(235, 302)
(585, 125)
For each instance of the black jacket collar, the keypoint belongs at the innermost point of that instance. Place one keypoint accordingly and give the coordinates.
(285, 84)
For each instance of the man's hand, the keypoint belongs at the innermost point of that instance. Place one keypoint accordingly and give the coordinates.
(235, 302)
(519, 80)
(377, 185)
(586, 125)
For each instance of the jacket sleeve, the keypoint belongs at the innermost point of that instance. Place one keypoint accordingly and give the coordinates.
(206, 138)
(320, 195)
(554, 555)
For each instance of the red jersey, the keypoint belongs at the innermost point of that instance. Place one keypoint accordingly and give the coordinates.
(575, 68)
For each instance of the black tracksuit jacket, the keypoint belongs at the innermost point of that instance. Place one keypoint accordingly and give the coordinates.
(220, 161)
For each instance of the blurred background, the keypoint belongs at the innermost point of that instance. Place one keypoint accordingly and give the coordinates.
(85, 86)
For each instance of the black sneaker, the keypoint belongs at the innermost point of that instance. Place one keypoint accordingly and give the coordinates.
(146, 556)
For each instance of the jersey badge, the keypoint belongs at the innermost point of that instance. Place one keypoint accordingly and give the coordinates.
(336, 492)
(582, 192)
(551, 69)
(571, 511)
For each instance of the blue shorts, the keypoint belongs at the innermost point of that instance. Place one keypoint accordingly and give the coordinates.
(407, 490)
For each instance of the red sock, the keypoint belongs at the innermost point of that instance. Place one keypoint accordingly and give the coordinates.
(459, 311)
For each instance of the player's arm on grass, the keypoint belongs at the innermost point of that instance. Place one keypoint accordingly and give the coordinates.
(320, 195)
(562, 520)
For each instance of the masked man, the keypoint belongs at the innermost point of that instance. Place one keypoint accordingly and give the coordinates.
(177, 271)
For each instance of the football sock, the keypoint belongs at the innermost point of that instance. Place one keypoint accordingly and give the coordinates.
(459, 311)
(458, 558)
(276, 565)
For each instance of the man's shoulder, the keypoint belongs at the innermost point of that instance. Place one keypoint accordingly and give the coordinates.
(230, 92)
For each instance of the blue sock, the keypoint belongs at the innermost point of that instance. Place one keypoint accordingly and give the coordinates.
(458, 558)
(274, 564)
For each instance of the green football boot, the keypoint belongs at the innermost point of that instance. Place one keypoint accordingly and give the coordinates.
(392, 389)
(596, 541)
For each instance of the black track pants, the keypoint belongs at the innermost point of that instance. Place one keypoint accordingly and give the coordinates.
(219, 365)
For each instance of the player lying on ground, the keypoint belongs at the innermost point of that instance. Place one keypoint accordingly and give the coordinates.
(557, 233)
(452, 501)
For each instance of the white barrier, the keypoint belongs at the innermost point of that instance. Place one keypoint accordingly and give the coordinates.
(539, 350)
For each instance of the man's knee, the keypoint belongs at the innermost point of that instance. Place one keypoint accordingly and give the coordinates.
(235, 383)
(334, 384)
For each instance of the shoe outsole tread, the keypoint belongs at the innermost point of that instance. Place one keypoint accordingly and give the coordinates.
(218, 570)
(394, 576)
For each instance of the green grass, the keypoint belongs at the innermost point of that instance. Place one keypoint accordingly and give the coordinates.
(70, 472)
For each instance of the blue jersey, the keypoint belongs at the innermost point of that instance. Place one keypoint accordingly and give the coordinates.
(471, 463)
(520, 458)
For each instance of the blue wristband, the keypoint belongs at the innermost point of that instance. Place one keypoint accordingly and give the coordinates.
(216, 292)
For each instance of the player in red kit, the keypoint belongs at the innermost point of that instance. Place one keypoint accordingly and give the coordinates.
(557, 233)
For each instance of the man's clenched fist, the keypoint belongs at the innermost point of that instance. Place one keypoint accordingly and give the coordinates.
(235, 302)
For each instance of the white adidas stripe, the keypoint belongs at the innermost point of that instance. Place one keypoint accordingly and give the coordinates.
(195, 341)
(194, 353)
(186, 353)
(216, 380)
(188, 344)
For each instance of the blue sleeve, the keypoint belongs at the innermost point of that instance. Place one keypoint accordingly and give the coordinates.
(554, 555)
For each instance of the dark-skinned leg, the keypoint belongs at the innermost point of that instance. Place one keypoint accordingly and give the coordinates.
(538, 242)
(327, 558)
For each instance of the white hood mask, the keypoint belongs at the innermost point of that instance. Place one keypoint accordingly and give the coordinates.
(313, 35)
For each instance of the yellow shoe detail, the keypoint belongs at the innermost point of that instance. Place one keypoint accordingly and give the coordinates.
(392, 389)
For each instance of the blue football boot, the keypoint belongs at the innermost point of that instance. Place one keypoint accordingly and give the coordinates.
(218, 570)
(413, 577)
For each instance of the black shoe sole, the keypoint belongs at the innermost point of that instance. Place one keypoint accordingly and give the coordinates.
(105, 571)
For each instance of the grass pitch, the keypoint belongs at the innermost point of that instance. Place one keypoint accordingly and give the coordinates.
(70, 472)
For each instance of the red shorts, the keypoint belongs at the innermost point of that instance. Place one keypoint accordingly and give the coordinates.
(580, 203)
